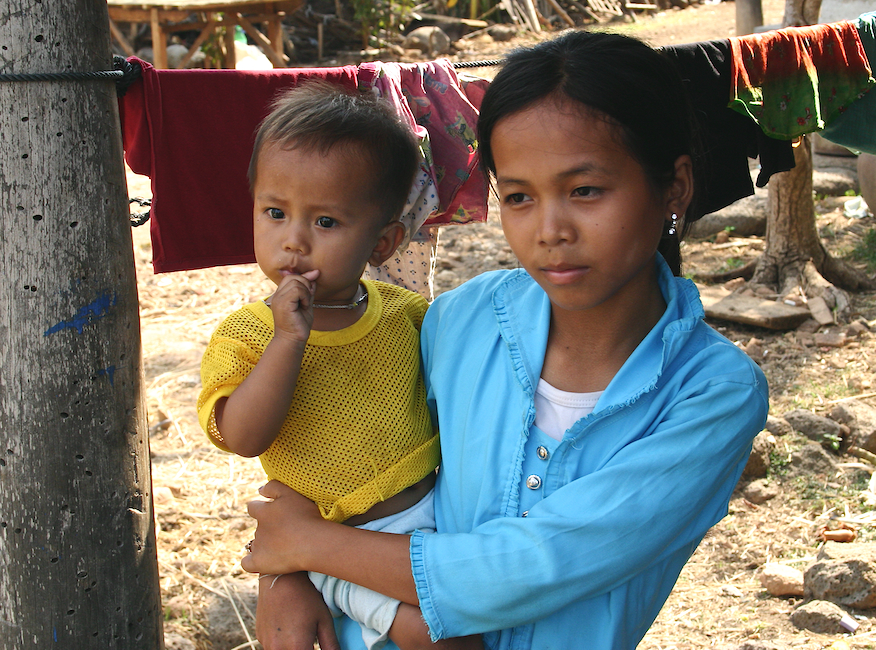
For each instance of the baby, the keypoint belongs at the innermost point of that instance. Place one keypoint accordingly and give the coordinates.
(322, 379)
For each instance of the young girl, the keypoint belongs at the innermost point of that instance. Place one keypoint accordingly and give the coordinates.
(593, 427)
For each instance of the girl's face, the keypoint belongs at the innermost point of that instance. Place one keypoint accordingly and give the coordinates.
(577, 209)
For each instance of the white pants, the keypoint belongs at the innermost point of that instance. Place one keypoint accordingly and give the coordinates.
(373, 611)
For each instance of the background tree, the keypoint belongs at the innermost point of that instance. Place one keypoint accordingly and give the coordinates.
(794, 258)
(78, 566)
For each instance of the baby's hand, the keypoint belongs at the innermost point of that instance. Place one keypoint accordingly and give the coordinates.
(292, 306)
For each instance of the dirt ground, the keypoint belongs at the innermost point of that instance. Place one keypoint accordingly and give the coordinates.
(200, 493)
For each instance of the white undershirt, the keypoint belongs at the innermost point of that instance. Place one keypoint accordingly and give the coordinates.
(557, 410)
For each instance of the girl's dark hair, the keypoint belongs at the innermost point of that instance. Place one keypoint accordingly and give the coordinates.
(622, 78)
(318, 116)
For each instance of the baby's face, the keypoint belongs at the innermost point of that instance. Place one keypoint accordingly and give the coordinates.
(312, 211)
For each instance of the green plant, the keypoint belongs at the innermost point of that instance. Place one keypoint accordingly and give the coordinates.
(865, 251)
(377, 15)
(851, 193)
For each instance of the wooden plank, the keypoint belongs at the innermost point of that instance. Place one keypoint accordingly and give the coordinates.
(137, 15)
(120, 39)
(262, 40)
(719, 302)
(159, 41)
(209, 28)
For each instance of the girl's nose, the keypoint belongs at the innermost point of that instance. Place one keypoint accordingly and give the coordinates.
(554, 226)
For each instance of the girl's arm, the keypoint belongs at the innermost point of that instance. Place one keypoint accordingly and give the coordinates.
(292, 536)
(250, 418)
(652, 502)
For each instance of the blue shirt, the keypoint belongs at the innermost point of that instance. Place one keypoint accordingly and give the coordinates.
(574, 543)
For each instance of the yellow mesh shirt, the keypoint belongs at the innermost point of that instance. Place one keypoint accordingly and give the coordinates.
(358, 430)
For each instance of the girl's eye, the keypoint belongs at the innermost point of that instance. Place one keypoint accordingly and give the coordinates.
(275, 213)
(517, 197)
(325, 222)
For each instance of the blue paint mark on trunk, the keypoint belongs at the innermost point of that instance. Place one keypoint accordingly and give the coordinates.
(110, 372)
(86, 315)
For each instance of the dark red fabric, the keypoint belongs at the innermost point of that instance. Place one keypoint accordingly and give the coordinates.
(191, 132)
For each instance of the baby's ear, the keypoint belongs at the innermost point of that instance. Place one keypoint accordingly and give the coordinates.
(390, 239)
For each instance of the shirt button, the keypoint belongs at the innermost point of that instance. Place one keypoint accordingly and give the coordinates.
(542, 452)
(525, 513)
(533, 482)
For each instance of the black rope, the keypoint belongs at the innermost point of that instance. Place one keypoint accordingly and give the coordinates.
(477, 64)
(138, 219)
(124, 74)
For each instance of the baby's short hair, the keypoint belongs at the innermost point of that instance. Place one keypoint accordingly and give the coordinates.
(318, 116)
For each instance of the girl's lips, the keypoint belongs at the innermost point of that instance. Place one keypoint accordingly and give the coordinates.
(564, 274)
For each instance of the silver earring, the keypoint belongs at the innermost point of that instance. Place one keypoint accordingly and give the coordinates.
(673, 224)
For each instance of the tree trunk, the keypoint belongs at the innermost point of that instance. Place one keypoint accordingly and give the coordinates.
(791, 237)
(78, 565)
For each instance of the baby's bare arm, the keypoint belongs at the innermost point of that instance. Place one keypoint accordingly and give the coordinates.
(250, 418)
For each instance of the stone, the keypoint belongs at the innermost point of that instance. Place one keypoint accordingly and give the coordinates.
(820, 311)
(502, 32)
(819, 616)
(778, 426)
(809, 326)
(760, 491)
(759, 461)
(815, 427)
(861, 420)
(811, 460)
(781, 580)
(830, 339)
(867, 179)
(834, 181)
(844, 574)
(174, 641)
(745, 218)
(431, 40)
(223, 626)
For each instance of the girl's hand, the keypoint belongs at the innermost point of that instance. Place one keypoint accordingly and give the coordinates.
(292, 306)
(287, 522)
(291, 614)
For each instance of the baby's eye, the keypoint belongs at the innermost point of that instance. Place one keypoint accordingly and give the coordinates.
(275, 213)
(326, 222)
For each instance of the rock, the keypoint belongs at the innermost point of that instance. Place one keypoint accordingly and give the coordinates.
(819, 616)
(223, 625)
(867, 179)
(827, 148)
(162, 495)
(778, 426)
(760, 491)
(502, 32)
(747, 217)
(809, 326)
(431, 40)
(815, 427)
(757, 645)
(811, 461)
(830, 339)
(781, 579)
(834, 181)
(861, 420)
(173, 641)
(844, 574)
(759, 461)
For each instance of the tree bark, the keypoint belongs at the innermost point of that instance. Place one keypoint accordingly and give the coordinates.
(78, 565)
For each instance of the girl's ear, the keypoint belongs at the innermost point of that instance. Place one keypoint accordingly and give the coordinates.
(390, 238)
(680, 192)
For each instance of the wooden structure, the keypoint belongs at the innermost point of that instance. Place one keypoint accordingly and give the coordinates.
(209, 17)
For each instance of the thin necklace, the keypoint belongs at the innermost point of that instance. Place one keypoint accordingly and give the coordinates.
(351, 305)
